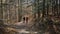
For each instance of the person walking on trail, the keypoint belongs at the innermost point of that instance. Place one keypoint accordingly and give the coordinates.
(23, 19)
(26, 20)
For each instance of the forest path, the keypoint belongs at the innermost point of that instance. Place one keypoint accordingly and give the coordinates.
(20, 28)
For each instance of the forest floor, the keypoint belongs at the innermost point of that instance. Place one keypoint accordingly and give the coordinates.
(20, 28)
